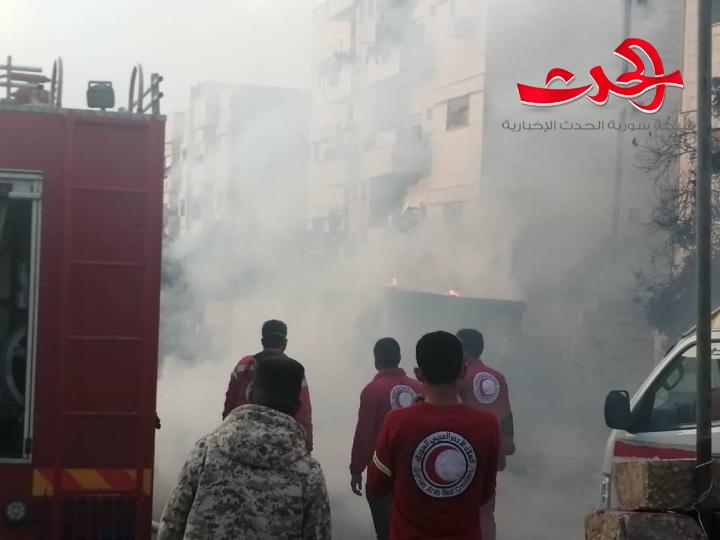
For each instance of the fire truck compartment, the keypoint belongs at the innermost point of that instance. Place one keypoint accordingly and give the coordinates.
(80, 249)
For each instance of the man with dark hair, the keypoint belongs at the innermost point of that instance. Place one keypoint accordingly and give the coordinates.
(253, 476)
(274, 342)
(439, 457)
(486, 389)
(390, 389)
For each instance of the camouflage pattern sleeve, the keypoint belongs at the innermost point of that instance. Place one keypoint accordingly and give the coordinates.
(316, 522)
(174, 518)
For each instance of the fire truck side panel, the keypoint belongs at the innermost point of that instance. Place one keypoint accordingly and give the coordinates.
(98, 310)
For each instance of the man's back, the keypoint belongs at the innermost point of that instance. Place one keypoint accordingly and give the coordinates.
(390, 389)
(485, 388)
(238, 392)
(251, 478)
(440, 463)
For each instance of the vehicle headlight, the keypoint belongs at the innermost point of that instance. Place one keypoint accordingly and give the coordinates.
(16, 512)
(605, 490)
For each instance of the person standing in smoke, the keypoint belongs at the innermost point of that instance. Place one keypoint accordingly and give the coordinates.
(439, 457)
(486, 389)
(390, 389)
(253, 477)
(274, 342)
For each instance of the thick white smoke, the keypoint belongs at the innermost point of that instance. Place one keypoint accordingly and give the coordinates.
(540, 233)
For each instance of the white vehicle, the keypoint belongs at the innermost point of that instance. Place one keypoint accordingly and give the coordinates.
(659, 421)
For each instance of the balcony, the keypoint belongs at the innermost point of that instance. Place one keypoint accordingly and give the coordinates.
(339, 89)
(403, 153)
(384, 66)
(341, 10)
(335, 76)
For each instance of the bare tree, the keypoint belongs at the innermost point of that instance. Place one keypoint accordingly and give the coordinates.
(669, 155)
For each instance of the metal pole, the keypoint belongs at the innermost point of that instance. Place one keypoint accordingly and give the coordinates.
(704, 248)
(617, 189)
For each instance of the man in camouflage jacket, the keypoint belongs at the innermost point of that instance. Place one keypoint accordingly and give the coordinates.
(252, 478)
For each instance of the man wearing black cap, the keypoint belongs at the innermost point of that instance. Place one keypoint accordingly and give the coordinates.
(253, 476)
(274, 342)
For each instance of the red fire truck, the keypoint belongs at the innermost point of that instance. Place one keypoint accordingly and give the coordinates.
(80, 246)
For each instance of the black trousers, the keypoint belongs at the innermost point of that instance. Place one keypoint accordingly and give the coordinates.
(380, 510)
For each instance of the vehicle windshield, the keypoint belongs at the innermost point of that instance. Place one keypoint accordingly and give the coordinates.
(671, 401)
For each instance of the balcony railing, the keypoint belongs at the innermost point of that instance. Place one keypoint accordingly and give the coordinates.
(408, 155)
(383, 67)
(338, 89)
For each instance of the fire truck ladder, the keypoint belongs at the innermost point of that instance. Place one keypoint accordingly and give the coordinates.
(136, 100)
(17, 79)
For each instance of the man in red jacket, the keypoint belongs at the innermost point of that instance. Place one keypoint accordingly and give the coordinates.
(439, 457)
(486, 389)
(274, 342)
(390, 389)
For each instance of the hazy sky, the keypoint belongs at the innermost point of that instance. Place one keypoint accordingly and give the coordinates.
(187, 41)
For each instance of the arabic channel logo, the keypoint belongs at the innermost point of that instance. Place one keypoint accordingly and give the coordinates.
(629, 85)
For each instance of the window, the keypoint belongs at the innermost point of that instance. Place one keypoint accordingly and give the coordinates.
(716, 11)
(458, 112)
(670, 403)
(19, 232)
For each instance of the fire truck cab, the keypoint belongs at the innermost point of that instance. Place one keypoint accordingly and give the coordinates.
(80, 248)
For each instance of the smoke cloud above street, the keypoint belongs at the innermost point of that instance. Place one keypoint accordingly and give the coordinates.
(546, 227)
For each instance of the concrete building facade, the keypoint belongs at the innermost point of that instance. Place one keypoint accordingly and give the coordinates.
(233, 146)
(396, 122)
(408, 98)
(690, 71)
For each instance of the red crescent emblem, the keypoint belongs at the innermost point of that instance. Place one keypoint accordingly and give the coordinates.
(430, 465)
(443, 464)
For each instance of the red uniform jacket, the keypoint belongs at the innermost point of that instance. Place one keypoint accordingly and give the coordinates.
(238, 393)
(485, 388)
(390, 389)
(440, 462)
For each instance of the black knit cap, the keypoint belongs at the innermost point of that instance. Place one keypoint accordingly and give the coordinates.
(280, 376)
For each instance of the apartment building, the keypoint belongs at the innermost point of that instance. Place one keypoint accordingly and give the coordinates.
(690, 59)
(397, 112)
(409, 96)
(235, 145)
